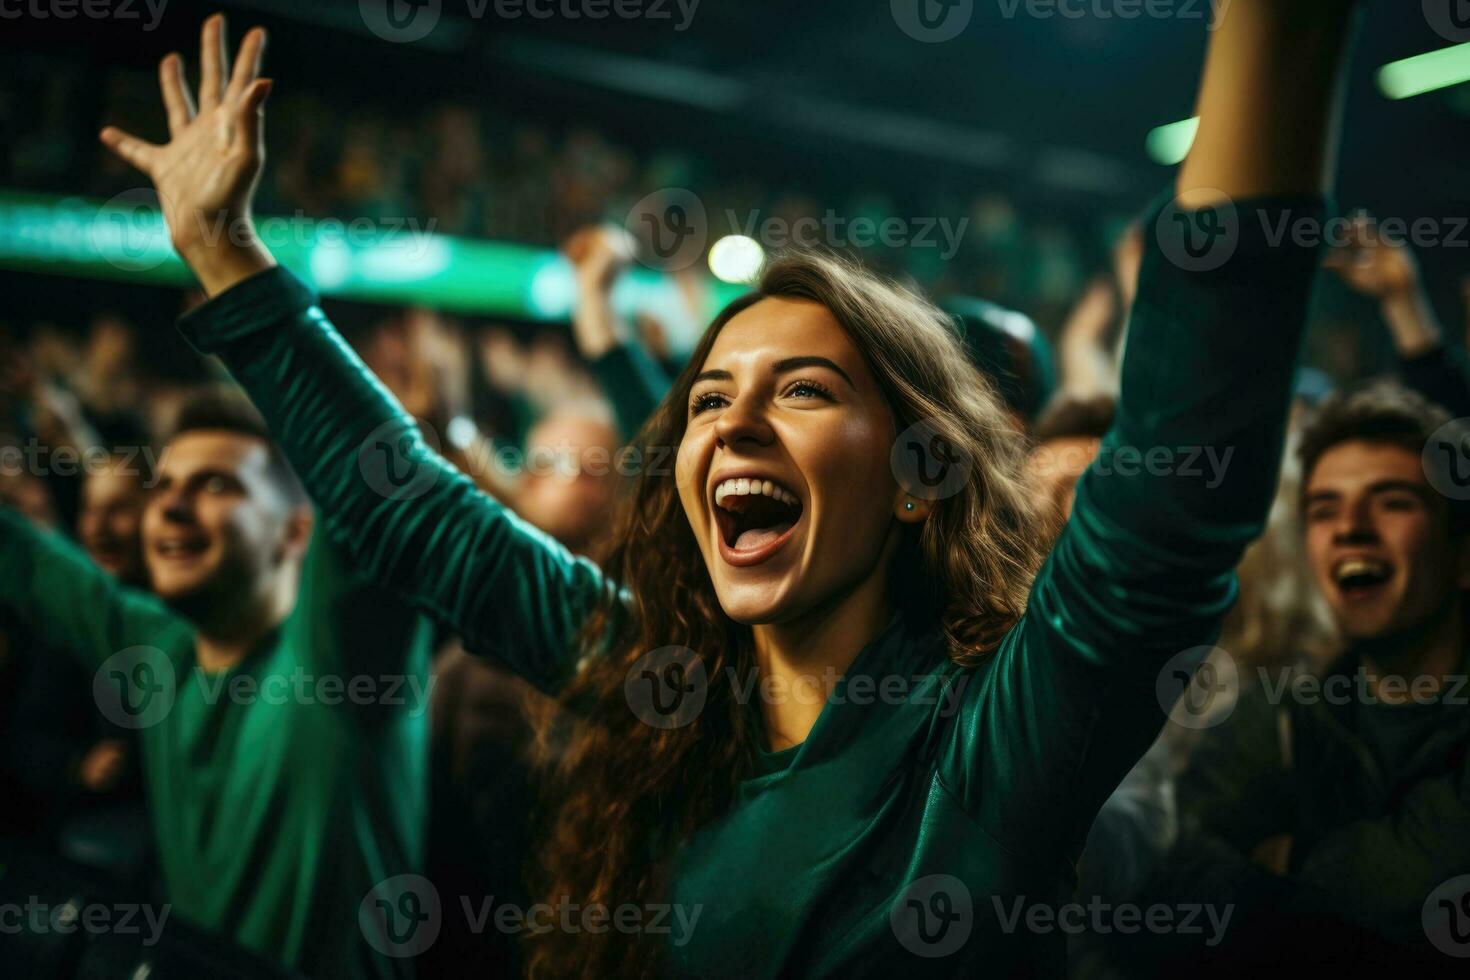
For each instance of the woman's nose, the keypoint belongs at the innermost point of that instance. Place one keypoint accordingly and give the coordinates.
(744, 420)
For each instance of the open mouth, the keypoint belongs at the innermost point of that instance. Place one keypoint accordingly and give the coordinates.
(755, 517)
(180, 549)
(1361, 578)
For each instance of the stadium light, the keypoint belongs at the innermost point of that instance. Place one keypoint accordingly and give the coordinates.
(736, 259)
(1425, 72)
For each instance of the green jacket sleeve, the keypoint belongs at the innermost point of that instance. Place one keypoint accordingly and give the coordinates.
(1143, 571)
(633, 383)
(402, 515)
(73, 605)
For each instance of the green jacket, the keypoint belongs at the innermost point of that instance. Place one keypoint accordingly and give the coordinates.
(905, 830)
(279, 798)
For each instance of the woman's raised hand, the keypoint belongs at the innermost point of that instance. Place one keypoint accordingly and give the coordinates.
(206, 174)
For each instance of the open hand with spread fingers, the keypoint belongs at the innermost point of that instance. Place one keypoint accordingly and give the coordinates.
(207, 172)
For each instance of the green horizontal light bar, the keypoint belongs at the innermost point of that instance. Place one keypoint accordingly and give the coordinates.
(1425, 72)
(125, 239)
(1169, 144)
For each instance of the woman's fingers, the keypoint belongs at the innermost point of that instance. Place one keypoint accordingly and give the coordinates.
(139, 153)
(177, 101)
(212, 62)
(247, 64)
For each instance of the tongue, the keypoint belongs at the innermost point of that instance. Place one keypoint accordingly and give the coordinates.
(759, 537)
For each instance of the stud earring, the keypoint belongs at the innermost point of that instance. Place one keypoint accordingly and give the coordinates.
(909, 505)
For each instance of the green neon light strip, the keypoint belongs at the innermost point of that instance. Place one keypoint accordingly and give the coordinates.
(1169, 144)
(1425, 72)
(126, 240)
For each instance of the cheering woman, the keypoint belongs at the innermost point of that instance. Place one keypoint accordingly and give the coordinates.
(822, 713)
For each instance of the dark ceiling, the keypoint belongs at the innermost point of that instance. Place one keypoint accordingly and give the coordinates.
(1048, 106)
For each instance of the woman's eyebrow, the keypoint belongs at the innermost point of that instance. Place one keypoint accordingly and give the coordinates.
(796, 363)
(781, 367)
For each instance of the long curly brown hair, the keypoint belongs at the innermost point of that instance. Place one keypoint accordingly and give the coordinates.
(619, 793)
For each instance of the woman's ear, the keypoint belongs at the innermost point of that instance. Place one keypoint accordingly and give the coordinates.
(910, 509)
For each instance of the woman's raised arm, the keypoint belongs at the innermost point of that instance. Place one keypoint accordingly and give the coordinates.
(1142, 575)
(404, 516)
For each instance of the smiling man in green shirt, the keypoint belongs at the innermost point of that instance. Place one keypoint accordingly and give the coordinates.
(281, 705)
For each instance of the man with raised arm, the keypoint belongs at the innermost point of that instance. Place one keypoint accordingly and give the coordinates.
(281, 706)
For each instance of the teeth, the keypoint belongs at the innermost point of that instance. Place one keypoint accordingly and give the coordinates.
(746, 487)
(1349, 567)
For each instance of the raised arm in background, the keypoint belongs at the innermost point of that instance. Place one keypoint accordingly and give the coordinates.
(404, 516)
(1385, 271)
(631, 381)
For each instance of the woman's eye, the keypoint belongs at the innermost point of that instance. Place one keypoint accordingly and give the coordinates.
(707, 400)
(214, 484)
(808, 389)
